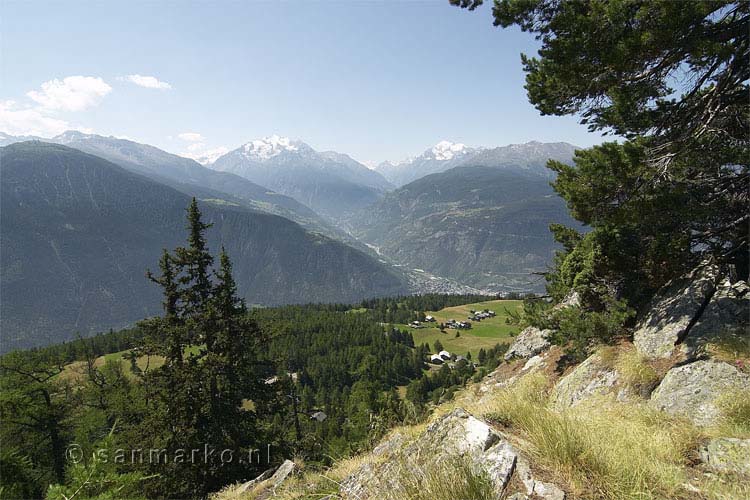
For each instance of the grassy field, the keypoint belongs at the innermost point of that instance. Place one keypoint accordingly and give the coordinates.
(482, 335)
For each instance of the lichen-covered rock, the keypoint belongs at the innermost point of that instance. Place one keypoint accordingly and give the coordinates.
(727, 314)
(692, 390)
(530, 342)
(673, 310)
(588, 379)
(727, 455)
(457, 434)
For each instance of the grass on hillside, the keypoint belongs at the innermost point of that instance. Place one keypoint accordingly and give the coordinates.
(484, 334)
(608, 451)
(76, 371)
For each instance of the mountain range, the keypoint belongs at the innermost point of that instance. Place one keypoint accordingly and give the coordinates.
(187, 176)
(333, 184)
(78, 233)
(446, 155)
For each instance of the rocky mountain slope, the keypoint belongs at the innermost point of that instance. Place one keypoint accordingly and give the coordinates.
(332, 184)
(629, 422)
(487, 227)
(445, 155)
(78, 233)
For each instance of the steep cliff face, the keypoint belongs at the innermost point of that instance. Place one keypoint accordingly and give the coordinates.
(628, 422)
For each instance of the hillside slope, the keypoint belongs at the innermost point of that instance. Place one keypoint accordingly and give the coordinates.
(627, 423)
(484, 226)
(78, 233)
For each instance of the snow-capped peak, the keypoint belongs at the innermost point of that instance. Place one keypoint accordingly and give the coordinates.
(446, 150)
(72, 136)
(268, 147)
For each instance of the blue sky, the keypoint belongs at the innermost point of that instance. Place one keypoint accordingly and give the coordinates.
(377, 80)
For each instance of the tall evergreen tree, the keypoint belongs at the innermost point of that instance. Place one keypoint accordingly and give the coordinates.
(212, 369)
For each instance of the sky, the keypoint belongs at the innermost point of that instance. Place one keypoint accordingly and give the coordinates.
(377, 80)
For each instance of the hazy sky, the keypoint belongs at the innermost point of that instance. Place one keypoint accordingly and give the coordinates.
(377, 80)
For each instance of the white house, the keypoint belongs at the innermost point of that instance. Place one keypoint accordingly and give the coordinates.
(436, 359)
(319, 416)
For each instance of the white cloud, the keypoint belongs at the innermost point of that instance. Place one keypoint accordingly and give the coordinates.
(29, 121)
(72, 93)
(149, 82)
(191, 136)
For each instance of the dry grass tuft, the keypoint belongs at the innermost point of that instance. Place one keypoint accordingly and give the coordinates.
(635, 371)
(607, 451)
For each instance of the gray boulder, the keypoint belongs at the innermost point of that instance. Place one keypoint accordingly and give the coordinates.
(535, 487)
(530, 342)
(692, 390)
(727, 455)
(587, 380)
(726, 315)
(263, 486)
(673, 310)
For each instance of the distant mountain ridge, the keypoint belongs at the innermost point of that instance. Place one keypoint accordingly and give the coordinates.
(333, 184)
(188, 176)
(446, 155)
(78, 233)
(483, 226)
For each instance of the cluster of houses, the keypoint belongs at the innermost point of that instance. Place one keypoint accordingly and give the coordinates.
(418, 324)
(480, 315)
(445, 356)
(458, 325)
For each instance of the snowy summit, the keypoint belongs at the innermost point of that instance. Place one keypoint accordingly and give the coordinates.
(268, 147)
(446, 150)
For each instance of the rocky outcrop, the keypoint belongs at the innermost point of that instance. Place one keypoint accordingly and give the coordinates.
(263, 486)
(530, 342)
(692, 390)
(726, 315)
(674, 310)
(727, 455)
(457, 434)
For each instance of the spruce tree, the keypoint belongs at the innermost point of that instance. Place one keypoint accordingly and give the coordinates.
(212, 368)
